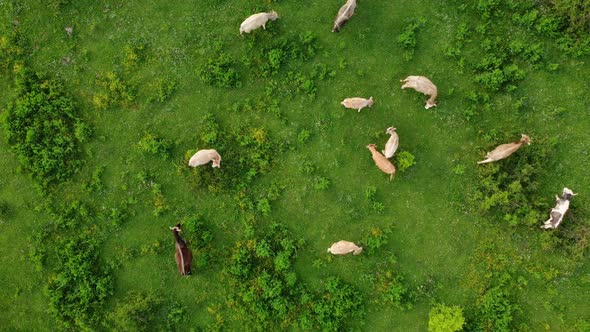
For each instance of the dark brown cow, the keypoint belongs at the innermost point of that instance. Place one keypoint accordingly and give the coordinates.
(182, 254)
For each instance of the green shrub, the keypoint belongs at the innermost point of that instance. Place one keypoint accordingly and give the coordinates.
(375, 239)
(404, 160)
(443, 318)
(219, 71)
(320, 183)
(408, 37)
(495, 311)
(155, 145)
(114, 92)
(162, 89)
(393, 290)
(136, 312)
(338, 303)
(41, 126)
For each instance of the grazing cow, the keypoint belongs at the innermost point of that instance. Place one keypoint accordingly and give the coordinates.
(504, 150)
(424, 85)
(392, 143)
(182, 254)
(202, 157)
(557, 213)
(357, 103)
(256, 21)
(344, 247)
(383, 163)
(344, 14)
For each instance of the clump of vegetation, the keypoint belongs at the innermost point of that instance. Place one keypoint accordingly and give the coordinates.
(114, 92)
(200, 239)
(408, 37)
(79, 282)
(370, 195)
(375, 239)
(136, 312)
(12, 46)
(338, 303)
(95, 182)
(508, 188)
(444, 318)
(155, 145)
(320, 183)
(495, 311)
(393, 290)
(133, 54)
(162, 89)
(41, 129)
(263, 285)
(219, 71)
(404, 160)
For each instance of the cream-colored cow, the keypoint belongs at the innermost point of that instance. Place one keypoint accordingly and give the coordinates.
(504, 150)
(357, 103)
(344, 247)
(202, 157)
(344, 14)
(383, 163)
(392, 143)
(256, 21)
(424, 85)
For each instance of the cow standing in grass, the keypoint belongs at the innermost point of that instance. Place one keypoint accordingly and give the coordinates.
(424, 85)
(344, 14)
(504, 150)
(357, 103)
(383, 163)
(182, 253)
(256, 21)
(557, 213)
(344, 247)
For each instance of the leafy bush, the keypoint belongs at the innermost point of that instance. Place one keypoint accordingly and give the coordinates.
(12, 46)
(392, 290)
(151, 143)
(495, 311)
(404, 160)
(114, 92)
(41, 129)
(320, 183)
(443, 318)
(134, 313)
(408, 37)
(375, 240)
(162, 89)
(219, 71)
(338, 303)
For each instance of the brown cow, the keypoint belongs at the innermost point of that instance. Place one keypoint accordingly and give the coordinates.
(182, 254)
(383, 163)
(504, 150)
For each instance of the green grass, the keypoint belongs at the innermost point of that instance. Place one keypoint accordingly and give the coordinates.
(435, 230)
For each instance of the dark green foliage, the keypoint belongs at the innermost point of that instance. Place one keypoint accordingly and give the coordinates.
(199, 236)
(509, 187)
(41, 126)
(375, 239)
(136, 312)
(495, 311)
(263, 285)
(162, 89)
(393, 290)
(80, 282)
(408, 37)
(12, 46)
(153, 144)
(338, 303)
(320, 183)
(219, 71)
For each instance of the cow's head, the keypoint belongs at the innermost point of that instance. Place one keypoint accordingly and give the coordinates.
(273, 15)
(176, 228)
(357, 251)
(390, 130)
(371, 146)
(370, 103)
(568, 193)
(525, 139)
(429, 104)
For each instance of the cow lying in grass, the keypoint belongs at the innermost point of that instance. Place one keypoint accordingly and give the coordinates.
(392, 143)
(557, 213)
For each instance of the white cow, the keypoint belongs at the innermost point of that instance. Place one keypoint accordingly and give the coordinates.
(392, 143)
(256, 21)
(344, 14)
(344, 247)
(202, 157)
(557, 213)
(357, 103)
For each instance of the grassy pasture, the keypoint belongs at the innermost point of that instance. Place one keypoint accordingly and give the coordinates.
(438, 237)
